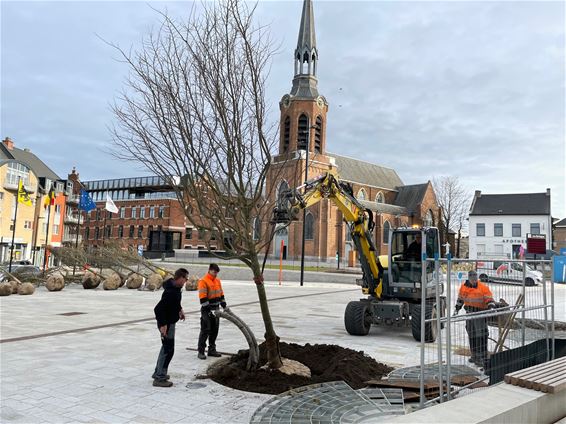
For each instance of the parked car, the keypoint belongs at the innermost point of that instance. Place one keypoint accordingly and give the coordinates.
(508, 272)
(21, 272)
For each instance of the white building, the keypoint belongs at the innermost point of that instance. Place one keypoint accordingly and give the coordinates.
(499, 223)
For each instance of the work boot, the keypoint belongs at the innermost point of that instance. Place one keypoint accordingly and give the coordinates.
(154, 376)
(214, 353)
(201, 355)
(162, 383)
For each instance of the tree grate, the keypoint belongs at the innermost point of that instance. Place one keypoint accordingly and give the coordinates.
(331, 403)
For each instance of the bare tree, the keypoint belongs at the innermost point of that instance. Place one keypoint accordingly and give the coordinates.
(194, 112)
(454, 202)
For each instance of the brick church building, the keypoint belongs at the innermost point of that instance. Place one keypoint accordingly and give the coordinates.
(303, 125)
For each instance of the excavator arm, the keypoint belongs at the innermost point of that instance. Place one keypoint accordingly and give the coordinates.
(359, 219)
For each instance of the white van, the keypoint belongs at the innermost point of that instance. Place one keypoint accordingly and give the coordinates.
(508, 272)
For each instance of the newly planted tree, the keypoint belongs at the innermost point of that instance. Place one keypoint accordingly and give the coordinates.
(194, 112)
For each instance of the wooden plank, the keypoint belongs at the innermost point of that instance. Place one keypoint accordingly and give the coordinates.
(556, 387)
(404, 384)
(536, 374)
(463, 380)
(544, 385)
(535, 367)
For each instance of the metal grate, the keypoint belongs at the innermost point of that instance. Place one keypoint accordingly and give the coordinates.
(70, 314)
(431, 372)
(331, 403)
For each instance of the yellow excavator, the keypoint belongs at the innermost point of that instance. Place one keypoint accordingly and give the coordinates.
(393, 293)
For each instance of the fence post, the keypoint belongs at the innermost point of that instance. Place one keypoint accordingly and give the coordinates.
(552, 309)
(544, 301)
(448, 323)
(523, 305)
(423, 319)
(438, 328)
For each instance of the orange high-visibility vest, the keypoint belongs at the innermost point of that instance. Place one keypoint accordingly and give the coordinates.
(476, 297)
(210, 291)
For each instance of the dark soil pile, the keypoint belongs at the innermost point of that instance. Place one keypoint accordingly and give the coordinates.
(326, 362)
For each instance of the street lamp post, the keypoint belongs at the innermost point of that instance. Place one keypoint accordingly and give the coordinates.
(304, 210)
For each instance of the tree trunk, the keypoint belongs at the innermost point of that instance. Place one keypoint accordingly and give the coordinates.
(271, 339)
(458, 244)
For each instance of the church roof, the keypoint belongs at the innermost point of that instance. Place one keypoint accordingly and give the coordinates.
(383, 207)
(307, 38)
(358, 171)
(411, 196)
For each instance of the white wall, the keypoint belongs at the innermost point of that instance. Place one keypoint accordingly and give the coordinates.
(491, 246)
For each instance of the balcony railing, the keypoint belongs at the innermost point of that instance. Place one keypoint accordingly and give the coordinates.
(71, 219)
(71, 238)
(73, 199)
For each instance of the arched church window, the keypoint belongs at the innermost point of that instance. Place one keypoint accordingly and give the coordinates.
(428, 219)
(318, 135)
(286, 133)
(309, 227)
(361, 194)
(386, 228)
(380, 198)
(303, 132)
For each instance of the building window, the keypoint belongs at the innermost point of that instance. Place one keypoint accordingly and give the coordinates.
(97, 233)
(380, 198)
(361, 194)
(55, 229)
(108, 231)
(213, 235)
(87, 233)
(286, 133)
(309, 227)
(131, 233)
(498, 230)
(516, 230)
(535, 228)
(149, 230)
(480, 230)
(122, 212)
(134, 212)
(120, 231)
(27, 225)
(318, 135)
(152, 212)
(257, 228)
(428, 220)
(498, 250)
(201, 233)
(98, 214)
(481, 250)
(188, 233)
(140, 231)
(15, 172)
(386, 227)
(142, 212)
(161, 211)
(303, 132)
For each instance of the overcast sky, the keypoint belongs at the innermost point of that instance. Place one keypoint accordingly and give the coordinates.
(472, 89)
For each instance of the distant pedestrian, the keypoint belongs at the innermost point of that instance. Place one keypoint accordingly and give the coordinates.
(167, 312)
(475, 296)
(211, 298)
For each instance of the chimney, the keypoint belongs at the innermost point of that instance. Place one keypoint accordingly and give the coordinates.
(74, 175)
(8, 143)
(548, 192)
(477, 193)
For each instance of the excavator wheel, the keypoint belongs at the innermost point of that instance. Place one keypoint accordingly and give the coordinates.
(430, 327)
(357, 318)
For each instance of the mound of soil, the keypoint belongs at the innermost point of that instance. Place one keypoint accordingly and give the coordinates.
(326, 362)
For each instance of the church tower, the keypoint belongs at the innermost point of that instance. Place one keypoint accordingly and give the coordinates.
(303, 110)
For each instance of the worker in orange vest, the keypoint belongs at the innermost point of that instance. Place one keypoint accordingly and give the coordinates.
(211, 297)
(475, 296)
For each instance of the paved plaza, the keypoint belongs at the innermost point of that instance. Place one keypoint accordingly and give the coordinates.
(96, 366)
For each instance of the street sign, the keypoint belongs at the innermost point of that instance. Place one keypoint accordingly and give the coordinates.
(536, 244)
(559, 271)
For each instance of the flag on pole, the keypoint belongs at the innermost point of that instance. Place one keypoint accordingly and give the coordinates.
(110, 206)
(23, 196)
(50, 198)
(86, 203)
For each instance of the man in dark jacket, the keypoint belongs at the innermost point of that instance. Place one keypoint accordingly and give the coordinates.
(167, 312)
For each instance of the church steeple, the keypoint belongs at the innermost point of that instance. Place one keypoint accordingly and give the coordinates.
(306, 56)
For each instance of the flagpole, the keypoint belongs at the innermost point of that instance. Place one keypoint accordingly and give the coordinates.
(46, 237)
(14, 229)
(78, 232)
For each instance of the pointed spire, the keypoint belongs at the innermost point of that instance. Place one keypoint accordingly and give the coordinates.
(306, 56)
(307, 38)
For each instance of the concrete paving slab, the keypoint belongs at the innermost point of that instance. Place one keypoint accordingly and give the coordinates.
(96, 367)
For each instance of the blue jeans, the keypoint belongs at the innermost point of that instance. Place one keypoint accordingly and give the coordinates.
(165, 354)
